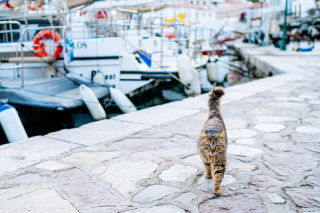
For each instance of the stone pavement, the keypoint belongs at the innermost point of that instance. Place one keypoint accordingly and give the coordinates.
(146, 161)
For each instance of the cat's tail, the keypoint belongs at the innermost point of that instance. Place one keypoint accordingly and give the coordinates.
(214, 97)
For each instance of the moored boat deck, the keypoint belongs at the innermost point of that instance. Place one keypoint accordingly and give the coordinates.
(50, 93)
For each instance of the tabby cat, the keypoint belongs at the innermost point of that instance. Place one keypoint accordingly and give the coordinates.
(213, 141)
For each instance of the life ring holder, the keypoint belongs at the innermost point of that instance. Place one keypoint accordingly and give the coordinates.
(39, 44)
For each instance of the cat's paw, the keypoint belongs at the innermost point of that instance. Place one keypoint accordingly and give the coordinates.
(208, 175)
(217, 191)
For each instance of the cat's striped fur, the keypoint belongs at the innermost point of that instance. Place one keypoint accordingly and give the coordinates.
(213, 141)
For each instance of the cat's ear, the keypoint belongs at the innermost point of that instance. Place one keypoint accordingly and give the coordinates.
(219, 136)
(204, 135)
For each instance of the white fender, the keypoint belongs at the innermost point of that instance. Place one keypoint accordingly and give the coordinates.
(184, 68)
(11, 124)
(122, 100)
(91, 101)
(222, 68)
(99, 78)
(211, 71)
(16, 3)
(195, 84)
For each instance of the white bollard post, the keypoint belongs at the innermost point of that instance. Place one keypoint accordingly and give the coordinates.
(11, 123)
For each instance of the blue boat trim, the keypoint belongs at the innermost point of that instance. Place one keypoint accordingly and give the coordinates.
(4, 107)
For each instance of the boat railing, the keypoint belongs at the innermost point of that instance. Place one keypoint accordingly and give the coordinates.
(36, 28)
(11, 31)
(20, 44)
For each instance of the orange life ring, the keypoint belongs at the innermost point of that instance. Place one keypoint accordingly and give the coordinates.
(170, 35)
(35, 8)
(39, 44)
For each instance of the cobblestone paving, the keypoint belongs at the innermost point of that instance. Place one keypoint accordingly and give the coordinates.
(273, 161)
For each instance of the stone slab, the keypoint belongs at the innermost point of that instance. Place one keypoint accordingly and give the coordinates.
(156, 115)
(194, 160)
(190, 125)
(26, 153)
(263, 182)
(314, 102)
(162, 154)
(312, 180)
(315, 114)
(88, 194)
(290, 99)
(235, 123)
(89, 158)
(276, 198)
(70, 176)
(232, 95)
(28, 179)
(305, 137)
(286, 104)
(262, 111)
(153, 193)
(246, 141)
(158, 209)
(98, 132)
(8, 194)
(278, 146)
(243, 150)
(241, 133)
(244, 167)
(288, 164)
(99, 170)
(179, 173)
(252, 203)
(186, 197)
(271, 137)
(308, 129)
(315, 149)
(124, 176)
(38, 201)
(269, 127)
(51, 165)
(273, 119)
(304, 197)
(191, 103)
(206, 185)
(135, 143)
(308, 97)
(256, 86)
